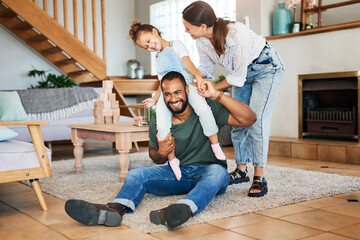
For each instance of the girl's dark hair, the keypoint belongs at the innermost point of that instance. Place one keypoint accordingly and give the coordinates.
(200, 12)
(137, 26)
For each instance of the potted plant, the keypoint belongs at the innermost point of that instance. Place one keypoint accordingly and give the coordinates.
(294, 26)
(220, 79)
(49, 80)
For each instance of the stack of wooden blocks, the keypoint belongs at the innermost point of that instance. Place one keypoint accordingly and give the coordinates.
(106, 108)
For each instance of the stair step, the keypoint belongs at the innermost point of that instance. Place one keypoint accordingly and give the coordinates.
(38, 38)
(78, 72)
(23, 26)
(7, 13)
(66, 61)
(52, 50)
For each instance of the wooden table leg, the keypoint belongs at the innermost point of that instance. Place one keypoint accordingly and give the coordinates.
(123, 145)
(78, 150)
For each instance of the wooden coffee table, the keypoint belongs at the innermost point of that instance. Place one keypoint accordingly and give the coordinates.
(123, 134)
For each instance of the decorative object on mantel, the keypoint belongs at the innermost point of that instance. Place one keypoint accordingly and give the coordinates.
(106, 109)
(308, 22)
(140, 72)
(281, 20)
(132, 65)
(294, 26)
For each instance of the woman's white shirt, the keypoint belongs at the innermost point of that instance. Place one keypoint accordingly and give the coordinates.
(242, 46)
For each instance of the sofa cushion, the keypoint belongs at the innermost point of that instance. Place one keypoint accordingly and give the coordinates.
(11, 108)
(6, 133)
(15, 155)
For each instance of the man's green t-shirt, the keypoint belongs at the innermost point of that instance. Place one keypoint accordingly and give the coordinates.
(192, 147)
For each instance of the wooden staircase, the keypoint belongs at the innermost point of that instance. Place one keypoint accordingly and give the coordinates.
(45, 35)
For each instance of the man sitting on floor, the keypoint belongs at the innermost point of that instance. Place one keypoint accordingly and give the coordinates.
(203, 175)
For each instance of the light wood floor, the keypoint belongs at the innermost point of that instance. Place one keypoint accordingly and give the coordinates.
(328, 218)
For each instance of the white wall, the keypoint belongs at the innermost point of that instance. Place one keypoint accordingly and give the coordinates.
(142, 13)
(16, 58)
(120, 49)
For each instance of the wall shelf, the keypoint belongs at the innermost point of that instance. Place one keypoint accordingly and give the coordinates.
(329, 28)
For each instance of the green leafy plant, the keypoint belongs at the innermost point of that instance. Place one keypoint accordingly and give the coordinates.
(220, 79)
(49, 80)
(152, 113)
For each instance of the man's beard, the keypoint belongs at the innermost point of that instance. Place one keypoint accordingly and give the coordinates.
(182, 109)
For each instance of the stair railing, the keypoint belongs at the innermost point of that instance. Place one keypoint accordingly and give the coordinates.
(51, 8)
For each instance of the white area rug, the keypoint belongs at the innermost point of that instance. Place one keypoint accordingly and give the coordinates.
(99, 183)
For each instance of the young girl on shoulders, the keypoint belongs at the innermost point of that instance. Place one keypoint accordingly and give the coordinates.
(174, 56)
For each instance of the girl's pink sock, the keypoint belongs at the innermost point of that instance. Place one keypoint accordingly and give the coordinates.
(219, 154)
(175, 166)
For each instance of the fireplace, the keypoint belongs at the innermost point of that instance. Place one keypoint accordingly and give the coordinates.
(329, 106)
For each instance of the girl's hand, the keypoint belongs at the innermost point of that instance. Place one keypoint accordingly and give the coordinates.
(200, 84)
(149, 102)
(209, 90)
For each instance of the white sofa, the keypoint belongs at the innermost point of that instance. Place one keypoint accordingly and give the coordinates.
(58, 129)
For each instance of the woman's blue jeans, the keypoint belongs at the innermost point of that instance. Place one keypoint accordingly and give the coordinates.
(200, 183)
(264, 77)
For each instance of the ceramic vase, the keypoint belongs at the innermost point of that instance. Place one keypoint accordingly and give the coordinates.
(281, 20)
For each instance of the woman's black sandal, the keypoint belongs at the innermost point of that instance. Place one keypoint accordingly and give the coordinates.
(235, 178)
(259, 183)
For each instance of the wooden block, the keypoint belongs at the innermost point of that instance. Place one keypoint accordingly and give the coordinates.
(114, 104)
(107, 112)
(99, 104)
(108, 84)
(103, 97)
(98, 110)
(107, 91)
(107, 104)
(108, 120)
(137, 123)
(116, 112)
(116, 119)
(112, 97)
(99, 120)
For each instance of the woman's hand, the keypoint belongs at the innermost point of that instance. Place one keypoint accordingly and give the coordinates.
(149, 102)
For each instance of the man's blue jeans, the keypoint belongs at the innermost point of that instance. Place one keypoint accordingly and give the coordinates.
(200, 183)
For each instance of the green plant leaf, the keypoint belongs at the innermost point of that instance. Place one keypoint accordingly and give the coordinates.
(51, 80)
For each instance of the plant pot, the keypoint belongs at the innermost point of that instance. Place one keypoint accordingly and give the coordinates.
(296, 27)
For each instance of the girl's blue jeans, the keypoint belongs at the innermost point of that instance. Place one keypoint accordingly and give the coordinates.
(264, 77)
(200, 183)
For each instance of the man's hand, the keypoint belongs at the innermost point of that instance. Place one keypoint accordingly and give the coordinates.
(166, 145)
(149, 102)
(208, 90)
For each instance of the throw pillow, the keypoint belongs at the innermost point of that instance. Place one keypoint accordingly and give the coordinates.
(6, 133)
(11, 108)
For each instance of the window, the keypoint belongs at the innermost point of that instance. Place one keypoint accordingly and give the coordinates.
(167, 17)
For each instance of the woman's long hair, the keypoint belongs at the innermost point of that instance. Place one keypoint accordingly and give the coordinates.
(200, 12)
